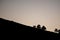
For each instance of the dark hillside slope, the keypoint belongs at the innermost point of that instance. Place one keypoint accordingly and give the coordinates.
(6, 25)
(10, 26)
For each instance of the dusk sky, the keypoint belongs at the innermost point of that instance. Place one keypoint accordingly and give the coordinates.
(32, 12)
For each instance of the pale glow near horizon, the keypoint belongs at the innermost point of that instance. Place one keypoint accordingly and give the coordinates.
(32, 12)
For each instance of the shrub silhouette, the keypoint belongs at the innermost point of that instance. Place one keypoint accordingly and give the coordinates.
(39, 26)
(56, 30)
(43, 28)
(34, 26)
(59, 31)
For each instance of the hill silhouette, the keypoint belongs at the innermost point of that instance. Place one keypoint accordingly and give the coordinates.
(10, 26)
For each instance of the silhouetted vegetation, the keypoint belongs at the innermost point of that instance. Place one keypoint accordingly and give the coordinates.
(58, 31)
(39, 26)
(34, 26)
(10, 26)
(43, 28)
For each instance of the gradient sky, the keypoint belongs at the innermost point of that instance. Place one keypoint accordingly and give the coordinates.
(32, 12)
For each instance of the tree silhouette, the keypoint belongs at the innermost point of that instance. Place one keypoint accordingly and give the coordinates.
(39, 26)
(56, 30)
(34, 26)
(43, 28)
(59, 31)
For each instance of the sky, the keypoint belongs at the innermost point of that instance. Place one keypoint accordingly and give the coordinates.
(32, 12)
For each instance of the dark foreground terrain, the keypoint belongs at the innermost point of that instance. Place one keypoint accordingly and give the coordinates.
(7, 26)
